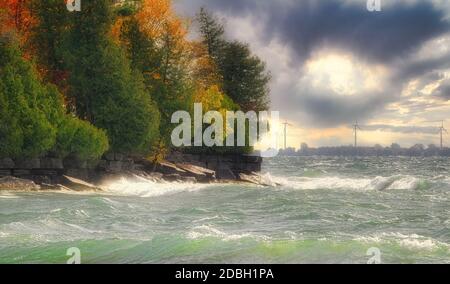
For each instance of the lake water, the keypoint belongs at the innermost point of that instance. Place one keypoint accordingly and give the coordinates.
(326, 210)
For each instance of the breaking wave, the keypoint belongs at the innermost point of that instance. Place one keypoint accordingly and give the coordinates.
(360, 184)
(148, 188)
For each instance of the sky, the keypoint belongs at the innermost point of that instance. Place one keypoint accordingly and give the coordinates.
(334, 62)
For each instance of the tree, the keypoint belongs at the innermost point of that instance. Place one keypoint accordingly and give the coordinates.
(212, 32)
(49, 40)
(104, 87)
(15, 15)
(244, 76)
(33, 114)
(155, 40)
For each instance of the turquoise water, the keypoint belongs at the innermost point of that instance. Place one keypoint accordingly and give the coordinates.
(326, 210)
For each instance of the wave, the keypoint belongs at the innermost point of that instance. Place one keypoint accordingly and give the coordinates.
(149, 188)
(207, 231)
(359, 184)
(411, 242)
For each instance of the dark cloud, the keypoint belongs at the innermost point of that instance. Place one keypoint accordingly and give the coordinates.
(306, 25)
(390, 38)
(322, 108)
(443, 92)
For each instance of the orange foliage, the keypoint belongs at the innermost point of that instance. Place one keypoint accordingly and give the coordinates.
(204, 69)
(158, 19)
(15, 15)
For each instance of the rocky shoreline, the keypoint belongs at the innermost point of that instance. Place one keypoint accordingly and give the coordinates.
(54, 174)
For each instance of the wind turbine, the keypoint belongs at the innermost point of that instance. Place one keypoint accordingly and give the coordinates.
(286, 124)
(441, 129)
(441, 132)
(355, 131)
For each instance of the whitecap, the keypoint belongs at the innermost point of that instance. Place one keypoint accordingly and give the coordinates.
(206, 231)
(344, 183)
(149, 188)
(411, 241)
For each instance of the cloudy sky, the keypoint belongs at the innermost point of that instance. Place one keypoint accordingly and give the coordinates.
(334, 62)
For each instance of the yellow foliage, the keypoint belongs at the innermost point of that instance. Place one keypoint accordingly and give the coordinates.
(157, 18)
(203, 66)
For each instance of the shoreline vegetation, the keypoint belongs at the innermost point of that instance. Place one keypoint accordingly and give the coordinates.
(104, 81)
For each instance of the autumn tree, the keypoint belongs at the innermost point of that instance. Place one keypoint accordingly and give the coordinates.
(106, 89)
(15, 15)
(49, 39)
(155, 38)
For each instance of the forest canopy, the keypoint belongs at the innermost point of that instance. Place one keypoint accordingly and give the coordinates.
(109, 77)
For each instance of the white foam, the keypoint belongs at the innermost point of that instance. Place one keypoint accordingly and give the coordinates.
(412, 241)
(206, 231)
(148, 188)
(360, 184)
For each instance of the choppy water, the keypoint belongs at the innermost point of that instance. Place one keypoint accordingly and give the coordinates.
(328, 210)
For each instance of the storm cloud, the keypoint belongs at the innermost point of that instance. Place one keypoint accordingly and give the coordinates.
(306, 25)
(406, 38)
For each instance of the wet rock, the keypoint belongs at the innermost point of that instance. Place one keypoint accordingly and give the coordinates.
(82, 174)
(78, 184)
(17, 184)
(196, 171)
(225, 173)
(144, 176)
(256, 179)
(172, 177)
(168, 168)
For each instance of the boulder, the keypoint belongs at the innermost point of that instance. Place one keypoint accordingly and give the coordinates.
(71, 163)
(196, 170)
(78, 173)
(110, 157)
(6, 163)
(144, 176)
(225, 173)
(17, 184)
(172, 177)
(5, 173)
(179, 178)
(168, 168)
(128, 165)
(118, 157)
(256, 179)
(51, 163)
(114, 166)
(21, 172)
(78, 184)
(102, 164)
(28, 164)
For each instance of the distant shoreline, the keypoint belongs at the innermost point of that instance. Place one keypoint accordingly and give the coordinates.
(395, 150)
